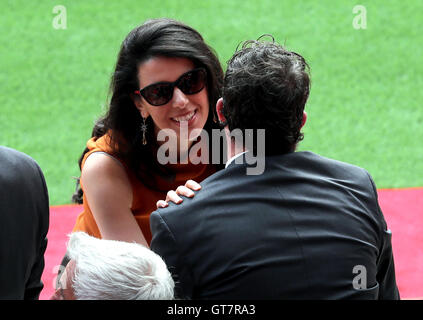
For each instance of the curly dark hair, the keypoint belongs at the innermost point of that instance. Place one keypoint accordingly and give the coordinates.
(266, 87)
(155, 37)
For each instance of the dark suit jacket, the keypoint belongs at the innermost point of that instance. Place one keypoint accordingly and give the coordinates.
(307, 228)
(24, 221)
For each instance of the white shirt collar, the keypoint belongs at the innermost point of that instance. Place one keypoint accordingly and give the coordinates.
(233, 158)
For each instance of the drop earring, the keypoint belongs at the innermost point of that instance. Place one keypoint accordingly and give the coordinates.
(144, 130)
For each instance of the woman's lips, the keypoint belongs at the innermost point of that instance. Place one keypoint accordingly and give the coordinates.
(188, 118)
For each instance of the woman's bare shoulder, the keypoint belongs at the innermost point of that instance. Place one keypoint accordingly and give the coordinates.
(104, 176)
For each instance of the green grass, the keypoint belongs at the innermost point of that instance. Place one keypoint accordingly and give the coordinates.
(366, 92)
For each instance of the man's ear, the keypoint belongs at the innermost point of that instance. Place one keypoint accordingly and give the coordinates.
(304, 119)
(219, 111)
(139, 105)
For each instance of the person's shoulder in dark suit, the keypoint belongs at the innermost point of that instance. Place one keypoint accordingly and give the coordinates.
(270, 215)
(24, 222)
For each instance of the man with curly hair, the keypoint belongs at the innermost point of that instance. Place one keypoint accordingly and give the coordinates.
(308, 227)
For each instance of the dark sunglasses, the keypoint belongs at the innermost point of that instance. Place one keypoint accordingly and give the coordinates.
(160, 93)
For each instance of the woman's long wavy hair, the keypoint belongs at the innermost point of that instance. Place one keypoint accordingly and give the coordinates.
(156, 37)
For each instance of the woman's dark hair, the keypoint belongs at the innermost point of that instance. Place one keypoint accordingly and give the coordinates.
(156, 37)
(267, 87)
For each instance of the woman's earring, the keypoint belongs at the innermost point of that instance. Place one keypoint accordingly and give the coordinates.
(144, 130)
(223, 124)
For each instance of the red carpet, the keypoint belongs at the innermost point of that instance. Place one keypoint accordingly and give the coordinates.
(403, 210)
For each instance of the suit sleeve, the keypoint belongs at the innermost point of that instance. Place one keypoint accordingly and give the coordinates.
(388, 289)
(385, 276)
(24, 222)
(34, 284)
(165, 245)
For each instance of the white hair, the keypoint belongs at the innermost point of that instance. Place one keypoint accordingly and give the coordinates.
(117, 270)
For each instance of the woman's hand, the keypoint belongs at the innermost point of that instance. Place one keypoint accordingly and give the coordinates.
(174, 196)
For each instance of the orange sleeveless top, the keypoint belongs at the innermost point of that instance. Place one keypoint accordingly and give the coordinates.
(144, 198)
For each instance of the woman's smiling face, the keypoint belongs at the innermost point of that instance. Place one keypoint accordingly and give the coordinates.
(183, 110)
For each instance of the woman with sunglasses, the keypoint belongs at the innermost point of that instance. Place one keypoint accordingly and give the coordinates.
(166, 77)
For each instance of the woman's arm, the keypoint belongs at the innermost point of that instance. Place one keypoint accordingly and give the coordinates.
(109, 195)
